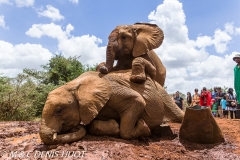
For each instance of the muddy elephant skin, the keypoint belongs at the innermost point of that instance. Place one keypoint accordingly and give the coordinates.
(129, 110)
(127, 42)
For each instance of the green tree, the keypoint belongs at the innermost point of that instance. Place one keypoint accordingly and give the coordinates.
(225, 89)
(210, 90)
(15, 102)
(58, 71)
(64, 69)
(23, 97)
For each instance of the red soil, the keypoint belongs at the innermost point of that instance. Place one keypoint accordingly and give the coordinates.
(21, 140)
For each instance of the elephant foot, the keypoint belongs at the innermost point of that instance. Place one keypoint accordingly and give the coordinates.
(103, 70)
(104, 128)
(138, 74)
(143, 128)
(138, 78)
(100, 66)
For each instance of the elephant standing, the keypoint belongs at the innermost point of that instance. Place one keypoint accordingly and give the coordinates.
(111, 98)
(132, 46)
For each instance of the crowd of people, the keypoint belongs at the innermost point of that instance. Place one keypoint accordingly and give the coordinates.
(222, 104)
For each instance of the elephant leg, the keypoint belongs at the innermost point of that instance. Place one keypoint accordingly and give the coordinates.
(130, 129)
(104, 128)
(140, 67)
(130, 106)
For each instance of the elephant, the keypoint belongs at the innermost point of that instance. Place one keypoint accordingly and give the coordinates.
(105, 104)
(129, 44)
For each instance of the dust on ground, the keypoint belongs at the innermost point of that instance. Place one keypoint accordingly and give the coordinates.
(20, 140)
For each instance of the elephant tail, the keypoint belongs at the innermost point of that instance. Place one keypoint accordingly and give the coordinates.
(171, 110)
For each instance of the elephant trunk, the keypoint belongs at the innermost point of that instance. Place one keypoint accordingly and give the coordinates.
(110, 56)
(49, 136)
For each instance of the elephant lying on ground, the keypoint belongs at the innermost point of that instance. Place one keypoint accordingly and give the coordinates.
(127, 109)
(130, 45)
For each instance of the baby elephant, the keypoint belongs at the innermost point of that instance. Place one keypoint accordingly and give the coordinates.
(109, 104)
(127, 43)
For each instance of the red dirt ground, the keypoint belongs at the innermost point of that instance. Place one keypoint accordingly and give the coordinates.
(20, 140)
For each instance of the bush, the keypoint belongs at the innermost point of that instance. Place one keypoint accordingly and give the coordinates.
(39, 97)
(14, 98)
(23, 98)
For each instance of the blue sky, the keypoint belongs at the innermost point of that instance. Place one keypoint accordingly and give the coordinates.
(201, 37)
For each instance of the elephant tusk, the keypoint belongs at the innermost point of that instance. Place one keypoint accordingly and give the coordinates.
(82, 123)
(54, 136)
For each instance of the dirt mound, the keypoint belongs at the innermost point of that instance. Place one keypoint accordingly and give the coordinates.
(21, 140)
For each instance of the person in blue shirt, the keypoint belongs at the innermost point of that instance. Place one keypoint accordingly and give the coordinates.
(214, 92)
(223, 103)
(219, 96)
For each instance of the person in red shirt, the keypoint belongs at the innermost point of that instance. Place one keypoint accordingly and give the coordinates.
(205, 97)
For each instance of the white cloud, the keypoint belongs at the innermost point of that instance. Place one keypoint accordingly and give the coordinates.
(237, 31)
(14, 58)
(74, 1)
(5, 2)
(222, 67)
(52, 30)
(220, 41)
(223, 37)
(52, 13)
(203, 41)
(69, 28)
(24, 3)
(188, 63)
(177, 50)
(171, 18)
(229, 28)
(2, 22)
(86, 46)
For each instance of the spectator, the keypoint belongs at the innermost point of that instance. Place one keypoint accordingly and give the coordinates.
(189, 99)
(223, 103)
(236, 58)
(195, 98)
(218, 98)
(214, 92)
(231, 103)
(214, 107)
(178, 100)
(205, 98)
(212, 101)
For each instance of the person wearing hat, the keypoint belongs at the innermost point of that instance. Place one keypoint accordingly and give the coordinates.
(236, 58)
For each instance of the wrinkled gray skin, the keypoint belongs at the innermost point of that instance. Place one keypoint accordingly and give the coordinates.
(101, 101)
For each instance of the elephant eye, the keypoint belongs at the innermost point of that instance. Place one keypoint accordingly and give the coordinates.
(58, 110)
(123, 37)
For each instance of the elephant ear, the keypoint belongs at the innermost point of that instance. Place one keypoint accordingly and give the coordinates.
(148, 37)
(93, 92)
